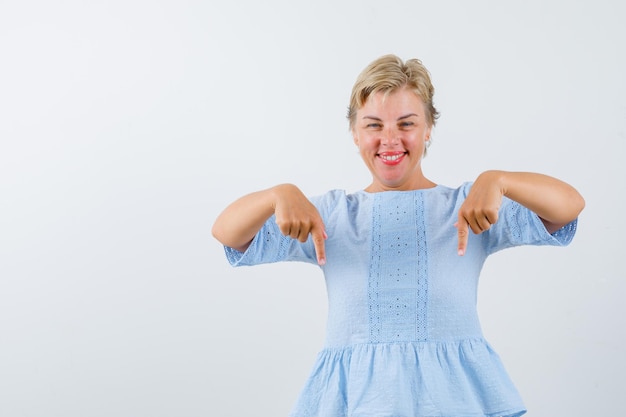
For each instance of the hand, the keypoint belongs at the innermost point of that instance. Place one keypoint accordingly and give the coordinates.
(297, 218)
(480, 209)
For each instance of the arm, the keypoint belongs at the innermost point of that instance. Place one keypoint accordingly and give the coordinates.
(554, 201)
(296, 217)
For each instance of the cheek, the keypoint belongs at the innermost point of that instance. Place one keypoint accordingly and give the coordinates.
(364, 140)
(419, 137)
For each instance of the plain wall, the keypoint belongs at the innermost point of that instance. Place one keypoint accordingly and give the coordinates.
(127, 126)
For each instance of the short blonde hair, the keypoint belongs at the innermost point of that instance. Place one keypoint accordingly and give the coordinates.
(388, 74)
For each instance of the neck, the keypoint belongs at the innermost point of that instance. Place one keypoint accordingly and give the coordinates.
(421, 184)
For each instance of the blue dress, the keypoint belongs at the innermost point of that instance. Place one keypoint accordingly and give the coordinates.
(403, 336)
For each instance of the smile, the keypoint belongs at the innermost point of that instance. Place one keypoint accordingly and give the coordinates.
(392, 158)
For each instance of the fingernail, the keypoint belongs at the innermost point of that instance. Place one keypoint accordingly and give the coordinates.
(461, 252)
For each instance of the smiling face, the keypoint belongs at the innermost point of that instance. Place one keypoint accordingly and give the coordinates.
(391, 131)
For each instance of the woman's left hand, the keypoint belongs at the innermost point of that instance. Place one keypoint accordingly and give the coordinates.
(554, 201)
(480, 209)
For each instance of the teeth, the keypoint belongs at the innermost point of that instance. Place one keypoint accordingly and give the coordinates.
(391, 157)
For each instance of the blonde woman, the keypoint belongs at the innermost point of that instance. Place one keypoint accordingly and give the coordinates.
(401, 260)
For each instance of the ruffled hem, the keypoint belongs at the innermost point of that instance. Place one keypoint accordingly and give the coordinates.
(412, 379)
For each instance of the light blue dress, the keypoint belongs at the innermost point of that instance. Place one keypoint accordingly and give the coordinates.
(403, 336)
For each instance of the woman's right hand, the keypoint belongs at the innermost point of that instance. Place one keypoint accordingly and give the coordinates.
(297, 218)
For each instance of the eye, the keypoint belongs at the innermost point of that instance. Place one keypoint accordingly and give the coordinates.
(374, 125)
(406, 124)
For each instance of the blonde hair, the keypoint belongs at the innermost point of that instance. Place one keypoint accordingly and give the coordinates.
(388, 74)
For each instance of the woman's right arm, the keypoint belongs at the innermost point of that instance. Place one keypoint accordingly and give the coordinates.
(296, 217)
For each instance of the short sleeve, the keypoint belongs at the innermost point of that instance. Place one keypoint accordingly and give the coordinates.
(270, 245)
(518, 225)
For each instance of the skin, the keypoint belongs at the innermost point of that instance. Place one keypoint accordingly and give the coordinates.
(296, 217)
(391, 133)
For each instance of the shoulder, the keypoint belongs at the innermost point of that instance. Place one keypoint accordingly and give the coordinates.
(337, 206)
(338, 198)
(443, 194)
(446, 190)
(465, 188)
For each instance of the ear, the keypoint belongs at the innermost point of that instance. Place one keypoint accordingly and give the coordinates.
(429, 131)
(355, 138)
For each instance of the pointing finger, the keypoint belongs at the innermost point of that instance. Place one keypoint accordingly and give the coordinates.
(319, 236)
(462, 228)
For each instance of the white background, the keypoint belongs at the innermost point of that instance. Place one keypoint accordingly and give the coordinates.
(127, 126)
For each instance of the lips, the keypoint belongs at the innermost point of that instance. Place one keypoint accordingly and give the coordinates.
(391, 158)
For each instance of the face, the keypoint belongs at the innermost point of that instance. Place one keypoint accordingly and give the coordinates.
(391, 133)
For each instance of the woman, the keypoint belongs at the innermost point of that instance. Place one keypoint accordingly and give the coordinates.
(401, 268)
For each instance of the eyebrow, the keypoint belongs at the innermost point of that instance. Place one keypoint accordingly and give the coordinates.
(406, 116)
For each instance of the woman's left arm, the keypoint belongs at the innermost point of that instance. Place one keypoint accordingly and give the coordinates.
(554, 201)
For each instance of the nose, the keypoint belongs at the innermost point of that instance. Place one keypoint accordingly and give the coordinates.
(389, 137)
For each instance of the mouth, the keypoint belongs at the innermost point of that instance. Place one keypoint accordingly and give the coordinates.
(391, 158)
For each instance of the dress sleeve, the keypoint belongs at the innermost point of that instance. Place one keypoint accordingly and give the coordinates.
(270, 245)
(518, 225)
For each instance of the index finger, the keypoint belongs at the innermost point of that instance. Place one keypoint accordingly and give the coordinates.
(462, 230)
(319, 235)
